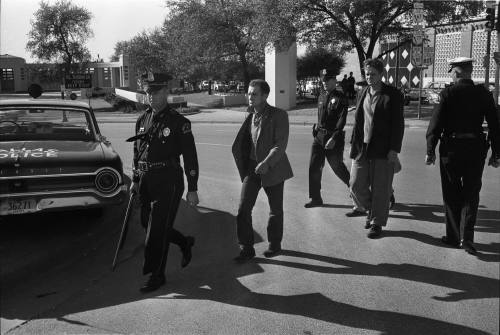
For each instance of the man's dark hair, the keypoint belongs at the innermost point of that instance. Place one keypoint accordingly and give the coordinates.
(264, 86)
(375, 63)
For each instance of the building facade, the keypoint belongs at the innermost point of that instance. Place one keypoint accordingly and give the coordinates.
(468, 40)
(16, 75)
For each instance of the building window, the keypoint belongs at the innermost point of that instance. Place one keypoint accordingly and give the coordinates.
(125, 72)
(7, 74)
(22, 73)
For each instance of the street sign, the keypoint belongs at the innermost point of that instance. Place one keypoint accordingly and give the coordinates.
(490, 3)
(428, 56)
(78, 80)
(417, 55)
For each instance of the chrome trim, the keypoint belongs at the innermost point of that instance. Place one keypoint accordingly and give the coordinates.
(54, 193)
(116, 179)
(83, 174)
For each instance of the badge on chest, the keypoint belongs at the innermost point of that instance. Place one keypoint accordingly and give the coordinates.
(165, 132)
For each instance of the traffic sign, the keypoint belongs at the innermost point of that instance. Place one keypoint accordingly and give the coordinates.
(417, 55)
(78, 80)
(490, 3)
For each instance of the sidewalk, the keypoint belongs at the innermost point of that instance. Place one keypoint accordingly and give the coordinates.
(236, 115)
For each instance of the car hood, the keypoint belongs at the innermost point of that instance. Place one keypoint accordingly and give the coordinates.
(50, 154)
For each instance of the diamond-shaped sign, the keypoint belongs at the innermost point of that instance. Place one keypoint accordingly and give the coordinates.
(404, 80)
(391, 80)
(387, 67)
(392, 54)
(404, 54)
(410, 66)
(415, 80)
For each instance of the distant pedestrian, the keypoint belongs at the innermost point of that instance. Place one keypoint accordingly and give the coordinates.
(351, 94)
(328, 136)
(162, 135)
(377, 138)
(457, 123)
(344, 85)
(259, 153)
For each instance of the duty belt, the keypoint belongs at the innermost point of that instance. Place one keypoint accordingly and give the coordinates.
(461, 136)
(147, 166)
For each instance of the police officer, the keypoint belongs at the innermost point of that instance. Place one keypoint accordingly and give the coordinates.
(457, 123)
(162, 135)
(328, 136)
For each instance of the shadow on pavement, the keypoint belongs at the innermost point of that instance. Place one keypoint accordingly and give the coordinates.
(213, 276)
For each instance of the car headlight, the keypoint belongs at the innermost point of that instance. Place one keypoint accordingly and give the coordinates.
(107, 180)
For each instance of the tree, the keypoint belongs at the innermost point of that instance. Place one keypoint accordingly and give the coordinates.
(314, 60)
(59, 32)
(357, 25)
(215, 32)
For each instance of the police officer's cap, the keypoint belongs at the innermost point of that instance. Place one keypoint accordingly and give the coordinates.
(154, 81)
(328, 73)
(460, 61)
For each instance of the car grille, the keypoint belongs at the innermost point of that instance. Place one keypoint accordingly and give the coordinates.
(105, 182)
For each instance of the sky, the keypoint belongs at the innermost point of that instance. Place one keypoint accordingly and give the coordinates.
(113, 21)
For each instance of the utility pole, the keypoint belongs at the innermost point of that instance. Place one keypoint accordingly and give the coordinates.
(496, 57)
(490, 25)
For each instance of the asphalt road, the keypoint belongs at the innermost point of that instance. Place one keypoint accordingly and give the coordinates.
(331, 279)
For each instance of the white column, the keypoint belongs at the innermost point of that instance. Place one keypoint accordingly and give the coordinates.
(281, 75)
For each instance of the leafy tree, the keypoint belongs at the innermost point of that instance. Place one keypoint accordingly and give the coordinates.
(314, 60)
(59, 32)
(215, 33)
(357, 25)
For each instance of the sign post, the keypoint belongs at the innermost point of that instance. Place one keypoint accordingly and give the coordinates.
(78, 80)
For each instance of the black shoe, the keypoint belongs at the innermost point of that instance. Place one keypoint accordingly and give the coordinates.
(468, 246)
(273, 250)
(375, 231)
(392, 201)
(368, 223)
(449, 242)
(355, 213)
(314, 203)
(154, 282)
(186, 252)
(245, 255)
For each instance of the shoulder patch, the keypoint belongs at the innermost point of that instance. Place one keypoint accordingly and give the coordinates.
(186, 128)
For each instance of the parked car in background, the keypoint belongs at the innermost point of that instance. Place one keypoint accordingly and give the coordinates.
(53, 157)
(220, 86)
(204, 85)
(429, 94)
(312, 86)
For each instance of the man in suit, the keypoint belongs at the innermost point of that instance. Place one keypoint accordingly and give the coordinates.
(376, 140)
(259, 153)
(457, 123)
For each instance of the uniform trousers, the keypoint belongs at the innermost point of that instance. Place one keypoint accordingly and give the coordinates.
(335, 158)
(160, 192)
(461, 166)
(371, 187)
(249, 191)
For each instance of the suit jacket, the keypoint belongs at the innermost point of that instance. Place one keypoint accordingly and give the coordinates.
(272, 140)
(388, 124)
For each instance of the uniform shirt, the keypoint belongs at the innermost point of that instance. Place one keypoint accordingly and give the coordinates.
(168, 135)
(332, 111)
(462, 109)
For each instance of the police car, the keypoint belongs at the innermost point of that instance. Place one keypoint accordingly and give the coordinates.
(53, 157)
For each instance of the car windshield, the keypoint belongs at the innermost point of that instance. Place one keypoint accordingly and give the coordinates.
(45, 123)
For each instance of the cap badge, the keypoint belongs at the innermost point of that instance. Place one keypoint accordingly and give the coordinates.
(166, 131)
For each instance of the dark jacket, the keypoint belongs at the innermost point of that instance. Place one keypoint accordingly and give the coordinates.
(388, 124)
(271, 145)
(462, 108)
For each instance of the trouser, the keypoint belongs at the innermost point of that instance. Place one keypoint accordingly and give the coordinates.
(249, 192)
(461, 166)
(160, 193)
(371, 187)
(317, 162)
